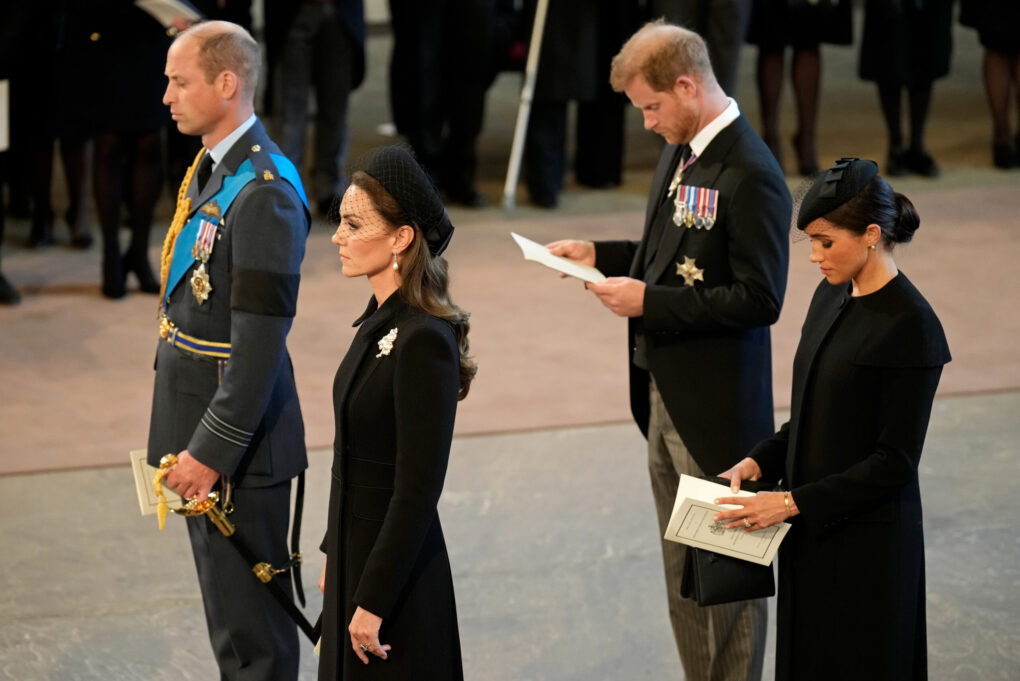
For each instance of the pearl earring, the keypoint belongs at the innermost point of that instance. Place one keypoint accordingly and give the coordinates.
(872, 246)
(396, 265)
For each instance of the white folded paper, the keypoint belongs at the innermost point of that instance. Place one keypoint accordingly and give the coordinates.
(540, 254)
(166, 11)
(691, 524)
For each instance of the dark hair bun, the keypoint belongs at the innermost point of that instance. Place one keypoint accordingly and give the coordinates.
(907, 220)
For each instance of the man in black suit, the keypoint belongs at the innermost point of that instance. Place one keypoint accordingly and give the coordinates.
(224, 400)
(701, 289)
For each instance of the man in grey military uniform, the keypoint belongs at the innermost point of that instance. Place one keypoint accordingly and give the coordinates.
(224, 400)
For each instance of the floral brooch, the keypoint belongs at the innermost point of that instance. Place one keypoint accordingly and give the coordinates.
(386, 343)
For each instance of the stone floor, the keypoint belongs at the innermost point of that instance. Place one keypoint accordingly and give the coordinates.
(553, 545)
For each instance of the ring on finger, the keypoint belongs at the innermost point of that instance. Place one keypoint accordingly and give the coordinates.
(364, 647)
(747, 523)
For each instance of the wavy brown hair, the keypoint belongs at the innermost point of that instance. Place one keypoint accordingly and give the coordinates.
(425, 280)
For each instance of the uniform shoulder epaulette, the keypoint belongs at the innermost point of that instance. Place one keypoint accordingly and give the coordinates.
(263, 165)
(272, 166)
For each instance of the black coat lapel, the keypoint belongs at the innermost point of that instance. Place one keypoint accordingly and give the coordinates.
(819, 321)
(660, 182)
(366, 342)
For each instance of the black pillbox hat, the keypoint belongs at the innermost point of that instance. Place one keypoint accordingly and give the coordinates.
(837, 185)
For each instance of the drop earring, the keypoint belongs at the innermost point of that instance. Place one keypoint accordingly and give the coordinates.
(396, 265)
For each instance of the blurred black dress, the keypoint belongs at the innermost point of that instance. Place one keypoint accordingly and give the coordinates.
(800, 23)
(906, 42)
(997, 23)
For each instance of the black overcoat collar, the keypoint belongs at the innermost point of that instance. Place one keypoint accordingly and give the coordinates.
(371, 324)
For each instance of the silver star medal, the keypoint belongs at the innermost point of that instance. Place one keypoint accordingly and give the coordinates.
(690, 272)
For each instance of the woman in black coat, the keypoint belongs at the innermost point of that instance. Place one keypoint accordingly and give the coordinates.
(803, 27)
(998, 26)
(851, 570)
(905, 48)
(388, 610)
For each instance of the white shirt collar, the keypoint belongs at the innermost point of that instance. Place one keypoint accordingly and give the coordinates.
(714, 127)
(221, 149)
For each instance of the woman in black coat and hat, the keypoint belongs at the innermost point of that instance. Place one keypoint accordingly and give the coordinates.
(851, 569)
(389, 610)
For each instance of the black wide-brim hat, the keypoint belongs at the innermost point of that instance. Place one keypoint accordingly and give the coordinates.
(834, 187)
(400, 174)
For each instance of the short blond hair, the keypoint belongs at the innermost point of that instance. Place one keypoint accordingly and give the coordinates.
(660, 53)
(223, 46)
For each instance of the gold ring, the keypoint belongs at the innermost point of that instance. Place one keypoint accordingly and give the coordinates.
(364, 647)
(747, 523)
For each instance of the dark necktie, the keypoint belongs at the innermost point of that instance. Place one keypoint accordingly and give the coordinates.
(685, 153)
(204, 170)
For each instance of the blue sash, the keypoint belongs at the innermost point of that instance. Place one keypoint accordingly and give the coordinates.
(183, 257)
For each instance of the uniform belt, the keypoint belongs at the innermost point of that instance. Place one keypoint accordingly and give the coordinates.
(175, 337)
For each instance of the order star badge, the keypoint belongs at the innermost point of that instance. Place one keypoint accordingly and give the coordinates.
(690, 272)
(200, 284)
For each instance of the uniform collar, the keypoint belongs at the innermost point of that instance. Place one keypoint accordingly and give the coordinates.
(224, 145)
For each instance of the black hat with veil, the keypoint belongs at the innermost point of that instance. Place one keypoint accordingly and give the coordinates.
(400, 174)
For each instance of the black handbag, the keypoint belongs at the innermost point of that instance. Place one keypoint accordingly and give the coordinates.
(711, 578)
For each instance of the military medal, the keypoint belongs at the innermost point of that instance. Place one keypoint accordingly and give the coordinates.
(695, 207)
(201, 286)
(690, 272)
(679, 208)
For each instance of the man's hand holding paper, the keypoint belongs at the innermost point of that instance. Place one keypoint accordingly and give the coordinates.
(582, 252)
(580, 266)
(622, 295)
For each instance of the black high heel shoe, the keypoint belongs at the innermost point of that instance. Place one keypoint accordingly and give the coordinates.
(896, 163)
(114, 278)
(139, 265)
(42, 231)
(1003, 155)
(920, 162)
(807, 164)
(81, 235)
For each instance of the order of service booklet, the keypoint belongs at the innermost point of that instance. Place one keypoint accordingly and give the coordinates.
(538, 253)
(144, 473)
(691, 523)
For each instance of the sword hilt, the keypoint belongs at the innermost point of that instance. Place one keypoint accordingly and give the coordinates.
(209, 507)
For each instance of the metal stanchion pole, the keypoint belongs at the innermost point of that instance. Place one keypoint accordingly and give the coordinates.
(513, 171)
